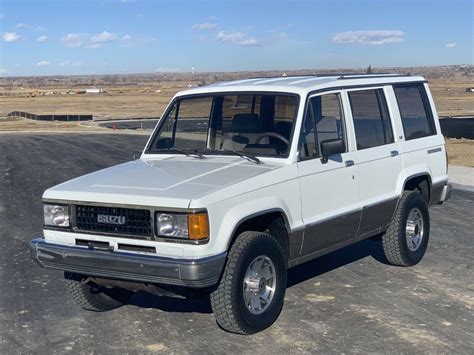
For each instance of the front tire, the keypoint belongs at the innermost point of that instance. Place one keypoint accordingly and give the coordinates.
(250, 295)
(406, 240)
(93, 297)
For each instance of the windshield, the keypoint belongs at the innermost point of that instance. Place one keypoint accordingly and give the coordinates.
(253, 124)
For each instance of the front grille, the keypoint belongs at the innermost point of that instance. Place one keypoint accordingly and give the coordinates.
(114, 220)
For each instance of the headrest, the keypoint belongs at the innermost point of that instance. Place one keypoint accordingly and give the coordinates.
(246, 122)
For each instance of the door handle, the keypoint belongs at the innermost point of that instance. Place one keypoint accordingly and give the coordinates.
(394, 153)
(349, 163)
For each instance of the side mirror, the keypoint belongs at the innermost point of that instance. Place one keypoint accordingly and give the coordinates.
(164, 143)
(330, 147)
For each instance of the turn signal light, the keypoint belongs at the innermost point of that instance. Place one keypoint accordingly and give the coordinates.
(198, 226)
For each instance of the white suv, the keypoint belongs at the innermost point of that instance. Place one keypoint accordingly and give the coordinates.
(242, 180)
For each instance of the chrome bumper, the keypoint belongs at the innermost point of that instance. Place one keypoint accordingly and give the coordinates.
(127, 266)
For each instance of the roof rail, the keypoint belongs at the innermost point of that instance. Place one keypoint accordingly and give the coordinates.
(338, 75)
(368, 76)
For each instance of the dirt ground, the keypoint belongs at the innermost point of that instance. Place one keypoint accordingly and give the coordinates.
(460, 152)
(14, 124)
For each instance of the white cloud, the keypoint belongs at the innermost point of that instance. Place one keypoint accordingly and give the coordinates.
(42, 39)
(21, 26)
(212, 18)
(451, 45)
(3, 71)
(238, 39)
(11, 37)
(66, 62)
(76, 40)
(43, 64)
(104, 37)
(205, 26)
(127, 1)
(372, 38)
(73, 40)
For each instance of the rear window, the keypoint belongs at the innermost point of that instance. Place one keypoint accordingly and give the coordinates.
(371, 118)
(417, 118)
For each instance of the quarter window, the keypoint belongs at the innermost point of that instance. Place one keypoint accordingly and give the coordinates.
(323, 121)
(417, 118)
(371, 119)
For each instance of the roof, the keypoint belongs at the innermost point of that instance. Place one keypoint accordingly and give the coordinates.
(302, 84)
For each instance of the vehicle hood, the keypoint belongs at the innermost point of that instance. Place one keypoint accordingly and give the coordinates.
(167, 182)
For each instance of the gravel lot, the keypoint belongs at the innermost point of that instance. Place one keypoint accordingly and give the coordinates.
(347, 301)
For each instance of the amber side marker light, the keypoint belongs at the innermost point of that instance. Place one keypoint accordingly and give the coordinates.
(198, 226)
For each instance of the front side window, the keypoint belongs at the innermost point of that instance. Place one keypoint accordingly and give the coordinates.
(323, 121)
(259, 124)
(371, 119)
(416, 115)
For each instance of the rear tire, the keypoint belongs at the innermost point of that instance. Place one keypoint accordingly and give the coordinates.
(92, 297)
(406, 240)
(250, 295)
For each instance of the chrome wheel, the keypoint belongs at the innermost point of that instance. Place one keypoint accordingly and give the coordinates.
(414, 229)
(259, 284)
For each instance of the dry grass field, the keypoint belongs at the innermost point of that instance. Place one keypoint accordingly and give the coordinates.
(460, 152)
(117, 102)
(451, 98)
(143, 101)
(146, 95)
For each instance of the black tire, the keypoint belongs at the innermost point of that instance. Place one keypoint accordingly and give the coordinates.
(92, 297)
(227, 300)
(394, 241)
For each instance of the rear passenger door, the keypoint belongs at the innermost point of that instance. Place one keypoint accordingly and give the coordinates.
(378, 158)
(329, 190)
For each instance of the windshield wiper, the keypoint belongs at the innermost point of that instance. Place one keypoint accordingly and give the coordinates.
(248, 156)
(194, 154)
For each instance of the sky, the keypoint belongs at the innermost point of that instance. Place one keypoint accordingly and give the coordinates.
(69, 37)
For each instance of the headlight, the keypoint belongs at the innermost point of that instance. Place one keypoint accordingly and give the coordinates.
(56, 215)
(193, 226)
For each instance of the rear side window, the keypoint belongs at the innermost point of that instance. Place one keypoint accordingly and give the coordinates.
(371, 118)
(417, 118)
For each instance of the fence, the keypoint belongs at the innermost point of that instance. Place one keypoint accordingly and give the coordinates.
(458, 127)
(65, 118)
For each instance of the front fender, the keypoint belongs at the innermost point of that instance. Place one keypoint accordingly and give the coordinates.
(226, 216)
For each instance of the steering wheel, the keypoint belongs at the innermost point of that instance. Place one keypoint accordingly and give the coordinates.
(274, 135)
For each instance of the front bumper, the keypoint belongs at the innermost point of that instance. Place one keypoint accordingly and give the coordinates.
(127, 266)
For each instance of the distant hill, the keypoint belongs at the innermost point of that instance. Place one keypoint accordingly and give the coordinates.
(448, 72)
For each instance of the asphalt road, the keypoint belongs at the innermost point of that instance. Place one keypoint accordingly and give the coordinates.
(347, 301)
